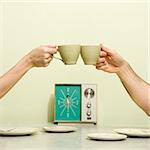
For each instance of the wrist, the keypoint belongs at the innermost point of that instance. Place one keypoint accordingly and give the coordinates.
(123, 69)
(27, 62)
(23, 66)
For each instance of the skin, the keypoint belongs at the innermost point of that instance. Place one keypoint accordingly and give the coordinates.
(38, 57)
(139, 90)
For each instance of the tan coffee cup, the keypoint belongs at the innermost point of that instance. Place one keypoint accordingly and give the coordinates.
(69, 53)
(90, 54)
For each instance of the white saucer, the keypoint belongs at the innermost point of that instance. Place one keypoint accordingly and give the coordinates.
(60, 129)
(106, 136)
(18, 131)
(134, 132)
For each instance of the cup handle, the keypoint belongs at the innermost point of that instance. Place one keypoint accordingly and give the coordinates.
(57, 58)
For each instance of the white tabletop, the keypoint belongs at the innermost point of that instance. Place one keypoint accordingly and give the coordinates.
(71, 141)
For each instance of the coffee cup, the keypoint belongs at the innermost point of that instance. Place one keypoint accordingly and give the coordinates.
(69, 53)
(90, 54)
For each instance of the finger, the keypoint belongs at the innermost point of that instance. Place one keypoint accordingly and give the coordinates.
(103, 53)
(102, 63)
(100, 60)
(51, 46)
(51, 50)
(47, 55)
(103, 67)
(99, 65)
(45, 65)
(105, 62)
(48, 60)
(106, 50)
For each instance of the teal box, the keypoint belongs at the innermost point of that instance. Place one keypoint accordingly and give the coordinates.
(67, 102)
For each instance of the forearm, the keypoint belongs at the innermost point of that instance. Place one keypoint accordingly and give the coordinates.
(136, 87)
(9, 79)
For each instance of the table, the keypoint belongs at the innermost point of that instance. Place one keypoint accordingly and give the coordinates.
(70, 141)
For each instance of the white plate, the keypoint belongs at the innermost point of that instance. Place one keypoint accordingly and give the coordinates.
(60, 129)
(106, 136)
(133, 132)
(17, 131)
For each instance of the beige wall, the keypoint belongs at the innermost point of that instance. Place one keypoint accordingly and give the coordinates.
(122, 26)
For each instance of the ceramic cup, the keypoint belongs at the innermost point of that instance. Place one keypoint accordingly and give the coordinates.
(69, 53)
(90, 54)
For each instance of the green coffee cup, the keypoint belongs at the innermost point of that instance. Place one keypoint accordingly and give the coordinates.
(90, 54)
(69, 53)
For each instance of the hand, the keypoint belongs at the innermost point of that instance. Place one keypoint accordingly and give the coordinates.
(42, 56)
(38, 57)
(109, 60)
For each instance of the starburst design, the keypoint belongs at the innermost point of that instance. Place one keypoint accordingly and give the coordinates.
(68, 102)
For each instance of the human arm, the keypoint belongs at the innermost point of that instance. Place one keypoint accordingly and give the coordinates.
(139, 90)
(38, 57)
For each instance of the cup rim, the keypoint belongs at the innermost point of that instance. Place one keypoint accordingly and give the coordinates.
(69, 45)
(90, 45)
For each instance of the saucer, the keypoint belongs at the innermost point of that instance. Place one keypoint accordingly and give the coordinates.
(106, 136)
(18, 131)
(134, 132)
(60, 129)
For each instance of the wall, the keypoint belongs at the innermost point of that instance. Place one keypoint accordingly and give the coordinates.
(120, 25)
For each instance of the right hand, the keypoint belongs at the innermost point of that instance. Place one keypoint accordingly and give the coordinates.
(110, 61)
(42, 56)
